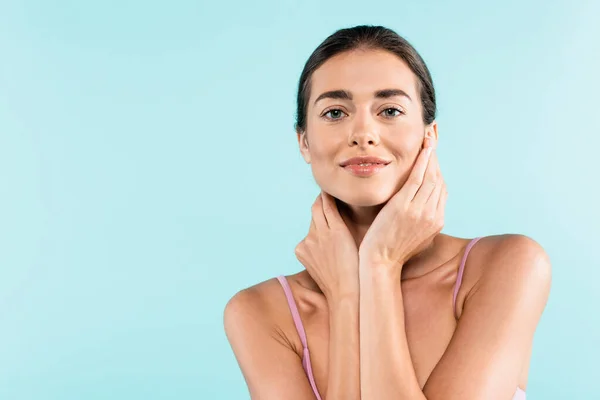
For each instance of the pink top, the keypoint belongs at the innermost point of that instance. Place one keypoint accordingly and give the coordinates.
(519, 394)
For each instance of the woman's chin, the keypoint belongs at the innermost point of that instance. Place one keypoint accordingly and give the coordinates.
(369, 199)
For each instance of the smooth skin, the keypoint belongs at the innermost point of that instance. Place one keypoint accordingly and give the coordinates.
(376, 293)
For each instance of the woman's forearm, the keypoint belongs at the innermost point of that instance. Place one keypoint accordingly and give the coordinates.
(386, 368)
(343, 371)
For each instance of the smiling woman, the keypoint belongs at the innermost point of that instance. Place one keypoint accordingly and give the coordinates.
(387, 306)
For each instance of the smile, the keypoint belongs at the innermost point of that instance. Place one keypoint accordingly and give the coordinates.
(364, 169)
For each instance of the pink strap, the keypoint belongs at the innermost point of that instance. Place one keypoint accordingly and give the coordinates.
(293, 309)
(461, 270)
(300, 328)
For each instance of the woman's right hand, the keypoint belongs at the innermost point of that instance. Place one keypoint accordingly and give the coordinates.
(329, 252)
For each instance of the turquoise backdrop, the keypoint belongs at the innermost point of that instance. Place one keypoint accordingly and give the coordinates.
(149, 170)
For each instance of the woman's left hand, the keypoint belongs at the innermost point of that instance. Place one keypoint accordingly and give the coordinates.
(410, 218)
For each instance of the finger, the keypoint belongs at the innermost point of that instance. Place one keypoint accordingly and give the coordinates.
(317, 214)
(415, 179)
(431, 207)
(438, 175)
(313, 226)
(428, 184)
(330, 210)
(441, 207)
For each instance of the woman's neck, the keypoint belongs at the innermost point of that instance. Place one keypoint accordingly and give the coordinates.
(358, 219)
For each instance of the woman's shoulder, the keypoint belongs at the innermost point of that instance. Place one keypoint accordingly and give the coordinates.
(490, 247)
(514, 254)
(265, 306)
(499, 249)
(502, 257)
(260, 298)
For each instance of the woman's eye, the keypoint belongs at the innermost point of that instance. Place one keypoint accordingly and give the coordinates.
(335, 112)
(392, 109)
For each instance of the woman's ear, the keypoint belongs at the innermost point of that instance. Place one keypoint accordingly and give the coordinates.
(431, 134)
(303, 143)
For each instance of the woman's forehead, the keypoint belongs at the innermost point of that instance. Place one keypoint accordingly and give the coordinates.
(362, 73)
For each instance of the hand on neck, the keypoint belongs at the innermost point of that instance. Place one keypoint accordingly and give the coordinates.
(358, 220)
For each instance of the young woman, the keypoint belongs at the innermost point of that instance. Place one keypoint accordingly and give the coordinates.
(387, 307)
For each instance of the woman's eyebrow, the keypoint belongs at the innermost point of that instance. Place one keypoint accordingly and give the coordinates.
(346, 95)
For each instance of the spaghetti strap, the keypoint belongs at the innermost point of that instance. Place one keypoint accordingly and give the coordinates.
(294, 310)
(461, 270)
(306, 364)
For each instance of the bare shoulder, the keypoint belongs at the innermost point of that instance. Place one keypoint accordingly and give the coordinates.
(253, 299)
(519, 260)
(258, 333)
(508, 282)
(514, 259)
(258, 303)
(264, 307)
(515, 255)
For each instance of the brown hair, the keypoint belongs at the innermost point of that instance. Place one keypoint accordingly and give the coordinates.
(370, 38)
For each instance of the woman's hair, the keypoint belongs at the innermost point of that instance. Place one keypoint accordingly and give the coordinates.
(366, 37)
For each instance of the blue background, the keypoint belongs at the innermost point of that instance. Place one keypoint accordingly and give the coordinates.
(149, 170)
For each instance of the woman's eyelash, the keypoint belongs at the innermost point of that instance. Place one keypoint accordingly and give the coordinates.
(394, 108)
(337, 109)
(330, 110)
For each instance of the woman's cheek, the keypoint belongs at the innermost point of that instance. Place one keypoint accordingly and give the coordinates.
(322, 174)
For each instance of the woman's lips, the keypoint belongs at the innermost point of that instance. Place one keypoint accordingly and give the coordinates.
(364, 170)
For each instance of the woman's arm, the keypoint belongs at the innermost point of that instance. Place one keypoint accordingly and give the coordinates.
(496, 327)
(344, 362)
(486, 353)
(272, 369)
(386, 368)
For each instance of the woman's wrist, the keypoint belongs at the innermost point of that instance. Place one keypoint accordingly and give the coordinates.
(344, 293)
(379, 271)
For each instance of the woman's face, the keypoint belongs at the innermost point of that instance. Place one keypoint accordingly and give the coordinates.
(389, 126)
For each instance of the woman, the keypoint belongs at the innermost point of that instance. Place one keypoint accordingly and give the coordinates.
(387, 306)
